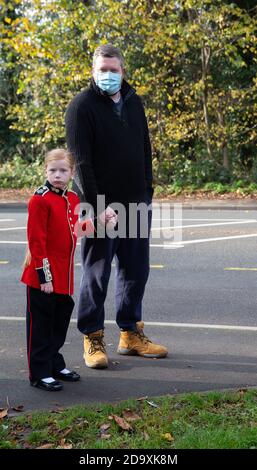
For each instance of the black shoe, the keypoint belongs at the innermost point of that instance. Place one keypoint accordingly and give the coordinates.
(51, 387)
(70, 377)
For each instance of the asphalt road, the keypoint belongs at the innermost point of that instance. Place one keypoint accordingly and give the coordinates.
(200, 301)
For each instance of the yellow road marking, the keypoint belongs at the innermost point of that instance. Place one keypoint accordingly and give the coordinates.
(240, 269)
(4, 262)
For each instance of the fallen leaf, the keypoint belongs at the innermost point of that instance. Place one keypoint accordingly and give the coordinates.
(82, 424)
(58, 410)
(18, 408)
(65, 446)
(104, 427)
(68, 431)
(146, 436)
(178, 406)
(3, 413)
(168, 437)
(122, 423)
(45, 446)
(130, 415)
(26, 445)
(151, 403)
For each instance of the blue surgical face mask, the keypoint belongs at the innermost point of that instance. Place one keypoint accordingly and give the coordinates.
(109, 82)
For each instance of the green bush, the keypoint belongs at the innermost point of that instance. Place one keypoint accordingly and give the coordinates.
(17, 173)
(187, 177)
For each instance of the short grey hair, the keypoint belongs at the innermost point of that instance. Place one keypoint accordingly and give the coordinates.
(108, 50)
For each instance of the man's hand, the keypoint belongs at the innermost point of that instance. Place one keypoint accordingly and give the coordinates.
(109, 217)
(47, 287)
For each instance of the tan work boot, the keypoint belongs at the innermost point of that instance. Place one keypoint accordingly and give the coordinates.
(135, 342)
(94, 350)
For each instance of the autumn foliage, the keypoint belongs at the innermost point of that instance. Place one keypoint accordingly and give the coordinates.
(193, 63)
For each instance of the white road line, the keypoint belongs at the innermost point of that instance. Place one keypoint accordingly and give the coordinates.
(197, 325)
(12, 228)
(167, 245)
(165, 324)
(13, 318)
(204, 225)
(6, 242)
(203, 240)
(175, 246)
(235, 269)
(7, 220)
(162, 228)
(154, 266)
(185, 218)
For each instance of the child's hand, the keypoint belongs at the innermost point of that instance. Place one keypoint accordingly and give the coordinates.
(109, 215)
(47, 287)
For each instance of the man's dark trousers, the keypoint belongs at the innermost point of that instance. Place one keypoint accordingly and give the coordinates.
(132, 271)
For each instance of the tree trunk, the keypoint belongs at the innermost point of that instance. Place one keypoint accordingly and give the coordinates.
(205, 57)
(224, 145)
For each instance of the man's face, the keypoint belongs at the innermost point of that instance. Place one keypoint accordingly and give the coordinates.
(107, 64)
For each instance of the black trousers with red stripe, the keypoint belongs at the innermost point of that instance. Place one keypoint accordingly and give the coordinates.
(48, 318)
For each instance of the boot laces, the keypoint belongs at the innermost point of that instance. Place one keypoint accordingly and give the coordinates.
(140, 334)
(96, 344)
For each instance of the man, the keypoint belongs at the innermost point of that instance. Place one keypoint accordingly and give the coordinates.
(107, 133)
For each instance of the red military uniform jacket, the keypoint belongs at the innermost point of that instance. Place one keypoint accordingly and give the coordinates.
(52, 238)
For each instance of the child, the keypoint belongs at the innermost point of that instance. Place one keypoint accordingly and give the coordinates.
(48, 272)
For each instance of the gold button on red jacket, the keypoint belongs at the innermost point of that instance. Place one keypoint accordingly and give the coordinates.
(52, 220)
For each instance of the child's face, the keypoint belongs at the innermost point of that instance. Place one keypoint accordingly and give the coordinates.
(59, 173)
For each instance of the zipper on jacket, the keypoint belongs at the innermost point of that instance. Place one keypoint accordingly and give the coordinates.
(130, 93)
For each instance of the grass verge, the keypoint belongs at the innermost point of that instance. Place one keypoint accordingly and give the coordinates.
(214, 420)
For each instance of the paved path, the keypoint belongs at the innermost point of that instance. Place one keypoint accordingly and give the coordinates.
(200, 301)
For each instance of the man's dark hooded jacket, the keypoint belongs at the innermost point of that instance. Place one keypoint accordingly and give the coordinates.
(112, 153)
